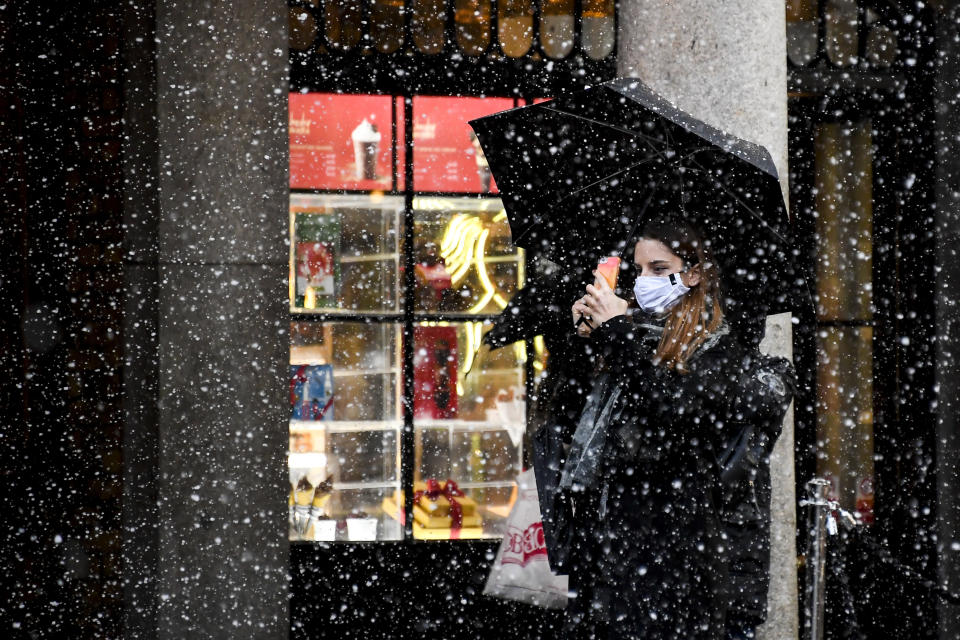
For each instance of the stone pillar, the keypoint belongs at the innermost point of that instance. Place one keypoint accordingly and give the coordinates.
(725, 63)
(205, 330)
(947, 297)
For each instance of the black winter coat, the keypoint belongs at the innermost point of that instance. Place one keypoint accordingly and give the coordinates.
(644, 540)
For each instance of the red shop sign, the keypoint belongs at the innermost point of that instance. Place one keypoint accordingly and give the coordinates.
(445, 154)
(343, 141)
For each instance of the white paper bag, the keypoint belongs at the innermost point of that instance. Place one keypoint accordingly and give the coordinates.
(521, 571)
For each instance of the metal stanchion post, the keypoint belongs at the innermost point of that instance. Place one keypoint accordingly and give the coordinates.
(817, 517)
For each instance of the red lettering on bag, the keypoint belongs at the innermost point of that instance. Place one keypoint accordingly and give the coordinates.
(524, 546)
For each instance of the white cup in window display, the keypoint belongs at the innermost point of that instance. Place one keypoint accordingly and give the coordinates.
(322, 526)
(366, 146)
(323, 529)
(361, 529)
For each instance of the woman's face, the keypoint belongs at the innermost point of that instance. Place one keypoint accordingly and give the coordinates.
(653, 258)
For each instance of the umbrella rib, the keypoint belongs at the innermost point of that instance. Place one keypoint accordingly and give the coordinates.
(641, 136)
(608, 177)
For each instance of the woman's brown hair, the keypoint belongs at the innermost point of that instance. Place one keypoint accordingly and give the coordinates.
(699, 313)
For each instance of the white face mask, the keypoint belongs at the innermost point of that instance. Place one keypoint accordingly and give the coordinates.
(656, 294)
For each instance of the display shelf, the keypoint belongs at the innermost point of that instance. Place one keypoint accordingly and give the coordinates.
(366, 372)
(466, 425)
(353, 486)
(345, 426)
(373, 257)
(465, 270)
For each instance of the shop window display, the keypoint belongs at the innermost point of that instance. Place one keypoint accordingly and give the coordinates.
(350, 313)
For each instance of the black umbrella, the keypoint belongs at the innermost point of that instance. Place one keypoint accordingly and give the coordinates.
(579, 174)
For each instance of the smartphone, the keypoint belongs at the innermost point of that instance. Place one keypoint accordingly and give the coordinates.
(609, 268)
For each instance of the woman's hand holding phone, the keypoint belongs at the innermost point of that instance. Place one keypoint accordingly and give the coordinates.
(598, 305)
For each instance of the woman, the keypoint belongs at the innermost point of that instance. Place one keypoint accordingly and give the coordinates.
(646, 547)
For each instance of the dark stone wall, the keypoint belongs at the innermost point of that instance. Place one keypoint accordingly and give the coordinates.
(60, 342)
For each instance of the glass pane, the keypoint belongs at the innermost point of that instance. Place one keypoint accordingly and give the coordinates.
(599, 32)
(343, 22)
(842, 41)
(386, 25)
(469, 418)
(303, 29)
(882, 49)
(845, 416)
(515, 27)
(344, 141)
(844, 183)
(447, 155)
(344, 253)
(465, 261)
(802, 38)
(344, 429)
(556, 27)
(472, 20)
(427, 25)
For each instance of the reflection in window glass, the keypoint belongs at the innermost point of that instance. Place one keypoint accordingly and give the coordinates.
(465, 261)
(844, 180)
(469, 418)
(343, 22)
(802, 38)
(515, 27)
(345, 252)
(845, 416)
(386, 25)
(598, 28)
(556, 27)
(303, 29)
(842, 40)
(427, 25)
(344, 424)
(472, 18)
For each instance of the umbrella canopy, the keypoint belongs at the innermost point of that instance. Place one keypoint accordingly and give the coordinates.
(578, 176)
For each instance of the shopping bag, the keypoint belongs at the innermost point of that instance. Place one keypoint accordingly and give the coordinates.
(521, 571)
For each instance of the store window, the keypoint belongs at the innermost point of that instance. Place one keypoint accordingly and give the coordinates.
(803, 41)
(386, 25)
(556, 27)
(472, 21)
(515, 22)
(344, 22)
(842, 38)
(355, 230)
(427, 25)
(599, 28)
(844, 275)
(344, 33)
(840, 34)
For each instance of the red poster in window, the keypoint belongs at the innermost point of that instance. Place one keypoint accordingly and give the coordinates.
(435, 372)
(342, 141)
(445, 156)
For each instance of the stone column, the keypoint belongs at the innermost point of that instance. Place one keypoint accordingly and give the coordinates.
(205, 331)
(947, 298)
(725, 63)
